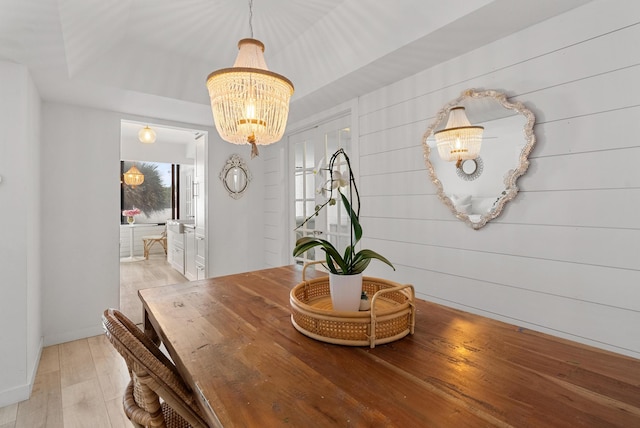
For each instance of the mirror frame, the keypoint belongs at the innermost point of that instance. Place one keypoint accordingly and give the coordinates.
(477, 171)
(511, 176)
(235, 161)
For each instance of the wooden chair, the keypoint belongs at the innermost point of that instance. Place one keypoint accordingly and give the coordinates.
(150, 240)
(153, 377)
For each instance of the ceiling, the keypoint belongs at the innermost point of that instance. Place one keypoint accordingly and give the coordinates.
(151, 57)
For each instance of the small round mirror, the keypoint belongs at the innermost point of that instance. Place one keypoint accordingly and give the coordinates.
(470, 169)
(469, 166)
(236, 180)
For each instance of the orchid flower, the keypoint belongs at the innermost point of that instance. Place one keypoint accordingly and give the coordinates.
(317, 169)
(339, 179)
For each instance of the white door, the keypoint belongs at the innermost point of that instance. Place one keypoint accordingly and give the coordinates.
(310, 152)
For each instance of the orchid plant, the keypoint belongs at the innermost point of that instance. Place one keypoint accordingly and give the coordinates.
(350, 262)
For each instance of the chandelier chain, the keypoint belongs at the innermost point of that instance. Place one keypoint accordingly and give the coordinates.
(251, 17)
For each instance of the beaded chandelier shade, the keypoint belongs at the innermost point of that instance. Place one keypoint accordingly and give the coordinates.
(147, 135)
(133, 177)
(250, 104)
(459, 140)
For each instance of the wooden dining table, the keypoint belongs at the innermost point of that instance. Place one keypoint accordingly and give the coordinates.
(232, 340)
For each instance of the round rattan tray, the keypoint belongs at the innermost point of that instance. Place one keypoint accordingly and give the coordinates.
(391, 317)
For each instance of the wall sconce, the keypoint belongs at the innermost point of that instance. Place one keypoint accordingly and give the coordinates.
(459, 141)
(147, 135)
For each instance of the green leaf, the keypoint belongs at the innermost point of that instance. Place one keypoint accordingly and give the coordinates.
(304, 244)
(370, 254)
(307, 242)
(347, 254)
(355, 223)
(330, 264)
(360, 266)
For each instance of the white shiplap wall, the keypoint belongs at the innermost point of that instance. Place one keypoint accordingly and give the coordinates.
(275, 219)
(564, 257)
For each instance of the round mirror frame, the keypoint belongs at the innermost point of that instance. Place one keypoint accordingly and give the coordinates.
(511, 176)
(235, 162)
(470, 176)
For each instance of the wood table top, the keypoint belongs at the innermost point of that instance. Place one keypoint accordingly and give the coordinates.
(232, 340)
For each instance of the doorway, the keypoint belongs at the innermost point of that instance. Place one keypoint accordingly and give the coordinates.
(165, 194)
(310, 151)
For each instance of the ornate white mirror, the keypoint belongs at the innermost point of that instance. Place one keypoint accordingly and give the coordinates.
(476, 185)
(235, 176)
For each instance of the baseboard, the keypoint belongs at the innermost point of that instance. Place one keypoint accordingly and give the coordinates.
(15, 395)
(22, 392)
(55, 339)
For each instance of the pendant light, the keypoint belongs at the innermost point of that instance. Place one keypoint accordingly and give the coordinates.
(147, 135)
(133, 177)
(250, 104)
(459, 140)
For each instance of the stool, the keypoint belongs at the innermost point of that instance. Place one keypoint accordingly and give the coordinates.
(150, 240)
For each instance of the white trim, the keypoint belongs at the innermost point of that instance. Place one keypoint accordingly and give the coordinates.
(22, 392)
(73, 335)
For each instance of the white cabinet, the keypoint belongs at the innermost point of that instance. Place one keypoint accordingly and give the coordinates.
(175, 250)
(190, 271)
(199, 200)
(200, 260)
(186, 237)
(199, 181)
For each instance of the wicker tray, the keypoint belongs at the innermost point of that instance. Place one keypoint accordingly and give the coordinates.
(391, 317)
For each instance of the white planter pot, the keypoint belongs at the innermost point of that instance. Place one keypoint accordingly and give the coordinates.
(345, 291)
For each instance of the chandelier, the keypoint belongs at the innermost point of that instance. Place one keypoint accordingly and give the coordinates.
(250, 104)
(133, 177)
(459, 140)
(147, 135)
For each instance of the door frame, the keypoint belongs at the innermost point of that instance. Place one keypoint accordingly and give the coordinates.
(346, 110)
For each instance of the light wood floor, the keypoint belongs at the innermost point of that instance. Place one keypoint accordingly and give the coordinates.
(146, 274)
(80, 383)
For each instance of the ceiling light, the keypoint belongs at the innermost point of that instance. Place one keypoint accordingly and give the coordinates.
(147, 135)
(133, 177)
(459, 140)
(250, 104)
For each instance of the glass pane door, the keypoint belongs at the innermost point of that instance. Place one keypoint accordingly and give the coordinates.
(311, 151)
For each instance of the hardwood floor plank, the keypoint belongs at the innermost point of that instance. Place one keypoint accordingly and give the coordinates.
(8, 414)
(117, 418)
(113, 375)
(49, 360)
(76, 363)
(83, 405)
(44, 408)
(154, 272)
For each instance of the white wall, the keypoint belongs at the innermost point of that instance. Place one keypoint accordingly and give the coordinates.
(158, 152)
(81, 273)
(236, 238)
(20, 287)
(564, 256)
